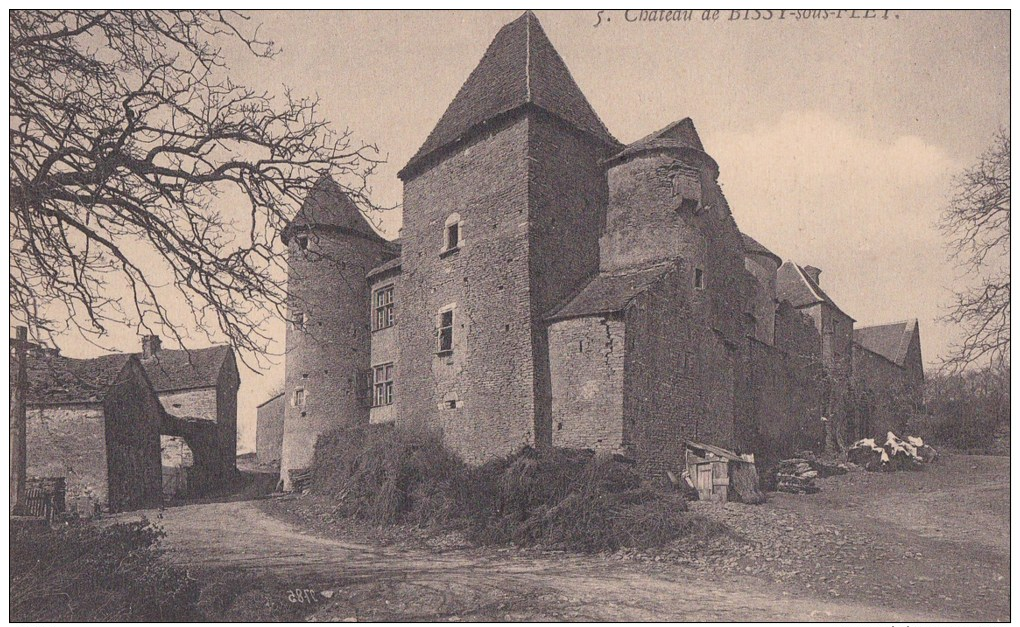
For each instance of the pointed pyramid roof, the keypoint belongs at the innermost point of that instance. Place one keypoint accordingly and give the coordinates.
(327, 204)
(520, 67)
(679, 134)
(794, 285)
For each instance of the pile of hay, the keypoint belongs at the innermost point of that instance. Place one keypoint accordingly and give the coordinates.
(557, 499)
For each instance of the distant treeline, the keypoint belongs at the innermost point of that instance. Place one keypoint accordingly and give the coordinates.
(967, 410)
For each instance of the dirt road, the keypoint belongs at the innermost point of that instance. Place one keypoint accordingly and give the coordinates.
(888, 547)
(239, 542)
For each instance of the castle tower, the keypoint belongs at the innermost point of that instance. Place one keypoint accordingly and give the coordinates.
(330, 248)
(665, 203)
(503, 207)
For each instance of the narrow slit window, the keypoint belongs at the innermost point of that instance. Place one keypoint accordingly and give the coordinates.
(699, 279)
(299, 397)
(452, 236)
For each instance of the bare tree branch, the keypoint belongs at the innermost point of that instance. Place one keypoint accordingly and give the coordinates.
(976, 224)
(124, 134)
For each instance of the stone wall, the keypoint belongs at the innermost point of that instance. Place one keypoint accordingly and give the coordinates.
(481, 397)
(70, 441)
(226, 422)
(269, 431)
(133, 419)
(587, 368)
(885, 397)
(663, 402)
(763, 296)
(782, 389)
(199, 403)
(568, 193)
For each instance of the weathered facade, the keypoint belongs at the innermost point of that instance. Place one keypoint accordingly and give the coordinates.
(95, 423)
(554, 287)
(269, 430)
(197, 390)
(888, 376)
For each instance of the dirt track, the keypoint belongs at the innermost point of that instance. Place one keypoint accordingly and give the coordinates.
(373, 583)
(925, 546)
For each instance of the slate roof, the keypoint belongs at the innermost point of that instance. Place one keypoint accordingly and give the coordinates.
(794, 285)
(610, 292)
(382, 268)
(269, 400)
(891, 341)
(679, 134)
(754, 247)
(57, 380)
(327, 204)
(185, 370)
(519, 67)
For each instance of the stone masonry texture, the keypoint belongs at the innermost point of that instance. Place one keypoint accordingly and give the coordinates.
(671, 328)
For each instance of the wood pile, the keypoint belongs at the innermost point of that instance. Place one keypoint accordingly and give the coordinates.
(893, 454)
(300, 479)
(796, 476)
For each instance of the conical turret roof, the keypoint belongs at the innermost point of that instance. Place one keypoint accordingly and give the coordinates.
(327, 204)
(679, 134)
(520, 67)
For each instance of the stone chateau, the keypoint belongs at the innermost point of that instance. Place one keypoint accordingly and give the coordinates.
(554, 287)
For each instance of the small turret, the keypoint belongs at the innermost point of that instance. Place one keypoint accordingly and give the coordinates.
(658, 187)
(330, 249)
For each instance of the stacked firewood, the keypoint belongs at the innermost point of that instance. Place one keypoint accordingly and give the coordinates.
(300, 479)
(796, 476)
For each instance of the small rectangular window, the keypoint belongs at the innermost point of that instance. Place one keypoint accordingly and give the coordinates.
(383, 313)
(445, 331)
(452, 236)
(699, 279)
(383, 385)
(299, 397)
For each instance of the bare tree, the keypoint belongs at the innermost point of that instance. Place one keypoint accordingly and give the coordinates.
(976, 223)
(127, 139)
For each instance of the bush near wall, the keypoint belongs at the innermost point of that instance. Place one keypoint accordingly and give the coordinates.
(556, 498)
(82, 572)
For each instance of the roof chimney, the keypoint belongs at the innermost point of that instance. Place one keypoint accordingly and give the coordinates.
(150, 346)
(814, 273)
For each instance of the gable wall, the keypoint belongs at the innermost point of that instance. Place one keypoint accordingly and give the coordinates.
(70, 441)
(132, 412)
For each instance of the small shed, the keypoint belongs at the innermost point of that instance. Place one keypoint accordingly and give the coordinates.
(721, 475)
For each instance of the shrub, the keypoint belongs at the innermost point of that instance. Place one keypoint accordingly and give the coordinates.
(556, 498)
(82, 572)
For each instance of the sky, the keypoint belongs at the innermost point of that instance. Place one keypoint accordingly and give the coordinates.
(837, 139)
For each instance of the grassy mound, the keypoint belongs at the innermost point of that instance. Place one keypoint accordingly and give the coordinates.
(562, 499)
(82, 572)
